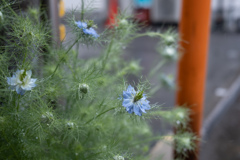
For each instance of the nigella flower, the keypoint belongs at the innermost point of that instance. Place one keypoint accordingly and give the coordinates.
(87, 29)
(81, 24)
(21, 81)
(91, 31)
(135, 101)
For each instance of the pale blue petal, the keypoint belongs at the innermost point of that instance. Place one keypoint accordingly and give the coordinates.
(81, 24)
(12, 87)
(130, 109)
(127, 103)
(91, 31)
(127, 94)
(130, 89)
(137, 110)
(19, 90)
(142, 110)
(29, 73)
(145, 106)
(32, 82)
(12, 80)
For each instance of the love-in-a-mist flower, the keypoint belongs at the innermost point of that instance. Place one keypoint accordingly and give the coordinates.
(21, 81)
(135, 101)
(87, 29)
(81, 24)
(91, 31)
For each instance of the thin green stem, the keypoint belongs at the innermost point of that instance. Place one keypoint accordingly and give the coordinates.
(18, 103)
(156, 68)
(150, 34)
(8, 5)
(76, 57)
(107, 55)
(100, 114)
(63, 58)
(154, 90)
(82, 12)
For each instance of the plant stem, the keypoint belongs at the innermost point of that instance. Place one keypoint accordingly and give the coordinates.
(155, 69)
(82, 12)
(100, 114)
(63, 58)
(18, 103)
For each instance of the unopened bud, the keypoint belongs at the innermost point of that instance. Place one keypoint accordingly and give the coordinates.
(84, 88)
(123, 22)
(47, 117)
(170, 52)
(169, 40)
(186, 141)
(167, 81)
(70, 125)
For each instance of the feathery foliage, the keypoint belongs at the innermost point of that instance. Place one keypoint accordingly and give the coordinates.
(75, 109)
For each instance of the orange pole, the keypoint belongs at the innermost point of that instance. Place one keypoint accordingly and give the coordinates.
(112, 12)
(194, 32)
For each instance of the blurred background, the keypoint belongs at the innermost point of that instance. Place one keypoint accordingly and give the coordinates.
(220, 131)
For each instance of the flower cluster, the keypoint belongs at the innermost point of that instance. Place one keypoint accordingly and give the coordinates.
(21, 81)
(87, 29)
(135, 101)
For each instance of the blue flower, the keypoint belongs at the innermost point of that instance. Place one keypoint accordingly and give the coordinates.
(91, 31)
(81, 24)
(21, 81)
(135, 101)
(86, 29)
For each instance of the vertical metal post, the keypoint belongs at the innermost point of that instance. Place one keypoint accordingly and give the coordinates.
(194, 32)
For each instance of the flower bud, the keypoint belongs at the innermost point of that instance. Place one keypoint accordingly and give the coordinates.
(123, 22)
(167, 81)
(84, 88)
(170, 53)
(180, 114)
(47, 117)
(186, 141)
(70, 125)
(169, 40)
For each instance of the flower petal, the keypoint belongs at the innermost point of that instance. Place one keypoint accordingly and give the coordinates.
(12, 80)
(127, 95)
(137, 110)
(19, 90)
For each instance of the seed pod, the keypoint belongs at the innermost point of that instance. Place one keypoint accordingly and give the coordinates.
(70, 125)
(84, 88)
